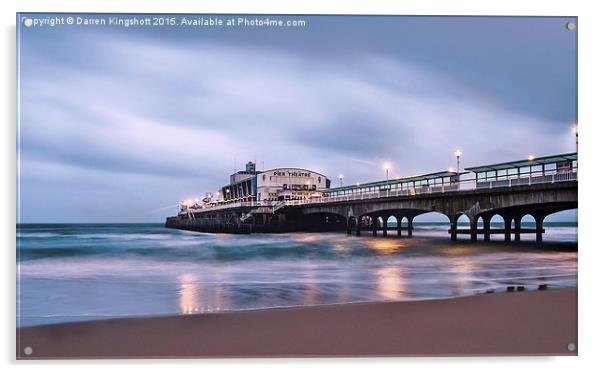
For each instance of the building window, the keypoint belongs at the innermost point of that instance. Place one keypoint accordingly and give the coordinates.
(550, 168)
(564, 166)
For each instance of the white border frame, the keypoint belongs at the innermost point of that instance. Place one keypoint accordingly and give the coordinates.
(590, 122)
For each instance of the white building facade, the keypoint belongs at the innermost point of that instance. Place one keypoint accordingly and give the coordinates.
(279, 184)
(284, 184)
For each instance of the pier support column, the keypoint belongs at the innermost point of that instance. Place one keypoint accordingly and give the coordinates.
(358, 227)
(486, 229)
(473, 229)
(507, 228)
(374, 226)
(410, 225)
(453, 228)
(539, 228)
(399, 218)
(385, 226)
(348, 226)
(517, 220)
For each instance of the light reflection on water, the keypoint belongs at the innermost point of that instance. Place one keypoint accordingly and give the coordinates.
(390, 283)
(82, 272)
(463, 275)
(385, 246)
(189, 300)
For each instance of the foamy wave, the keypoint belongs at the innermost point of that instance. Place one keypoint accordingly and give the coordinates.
(127, 270)
(37, 235)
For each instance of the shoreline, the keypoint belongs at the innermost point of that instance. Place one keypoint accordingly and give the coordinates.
(520, 323)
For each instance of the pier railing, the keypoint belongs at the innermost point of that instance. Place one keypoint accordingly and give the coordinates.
(464, 185)
(355, 195)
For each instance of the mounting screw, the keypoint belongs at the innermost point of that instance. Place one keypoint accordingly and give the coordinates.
(570, 26)
(28, 350)
(571, 347)
(27, 22)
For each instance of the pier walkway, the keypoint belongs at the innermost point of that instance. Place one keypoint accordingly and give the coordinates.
(511, 190)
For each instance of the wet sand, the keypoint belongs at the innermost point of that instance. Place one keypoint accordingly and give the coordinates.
(522, 323)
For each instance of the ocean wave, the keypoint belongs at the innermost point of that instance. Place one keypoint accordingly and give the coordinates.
(36, 235)
(96, 270)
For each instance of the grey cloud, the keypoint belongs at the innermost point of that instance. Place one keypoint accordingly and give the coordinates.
(171, 119)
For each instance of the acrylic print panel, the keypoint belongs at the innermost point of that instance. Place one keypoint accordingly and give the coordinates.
(266, 186)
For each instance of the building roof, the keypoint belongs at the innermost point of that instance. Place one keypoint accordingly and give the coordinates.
(524, 163)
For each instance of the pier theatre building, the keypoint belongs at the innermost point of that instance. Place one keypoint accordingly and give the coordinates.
(278, 184)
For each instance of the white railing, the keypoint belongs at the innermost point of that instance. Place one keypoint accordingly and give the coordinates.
(278, 206)
(266, 206)
(464, 185)
(228, 205)
(532, 180)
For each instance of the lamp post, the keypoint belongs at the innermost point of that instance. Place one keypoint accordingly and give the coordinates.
(387, 173)
(387, 166)
(341, 180)
(576, 132)
(458, 153)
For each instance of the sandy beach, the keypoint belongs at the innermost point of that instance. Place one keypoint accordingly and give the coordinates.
(521, 323)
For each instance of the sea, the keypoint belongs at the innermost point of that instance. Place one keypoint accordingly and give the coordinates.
(78, 272)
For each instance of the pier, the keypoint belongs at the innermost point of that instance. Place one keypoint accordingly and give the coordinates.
(511, 190)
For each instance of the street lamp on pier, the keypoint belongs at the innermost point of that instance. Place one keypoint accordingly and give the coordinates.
(458, 153)
(341, 180)
(576, 132)
(387, 166)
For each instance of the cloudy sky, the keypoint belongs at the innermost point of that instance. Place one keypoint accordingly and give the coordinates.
(118, 124)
